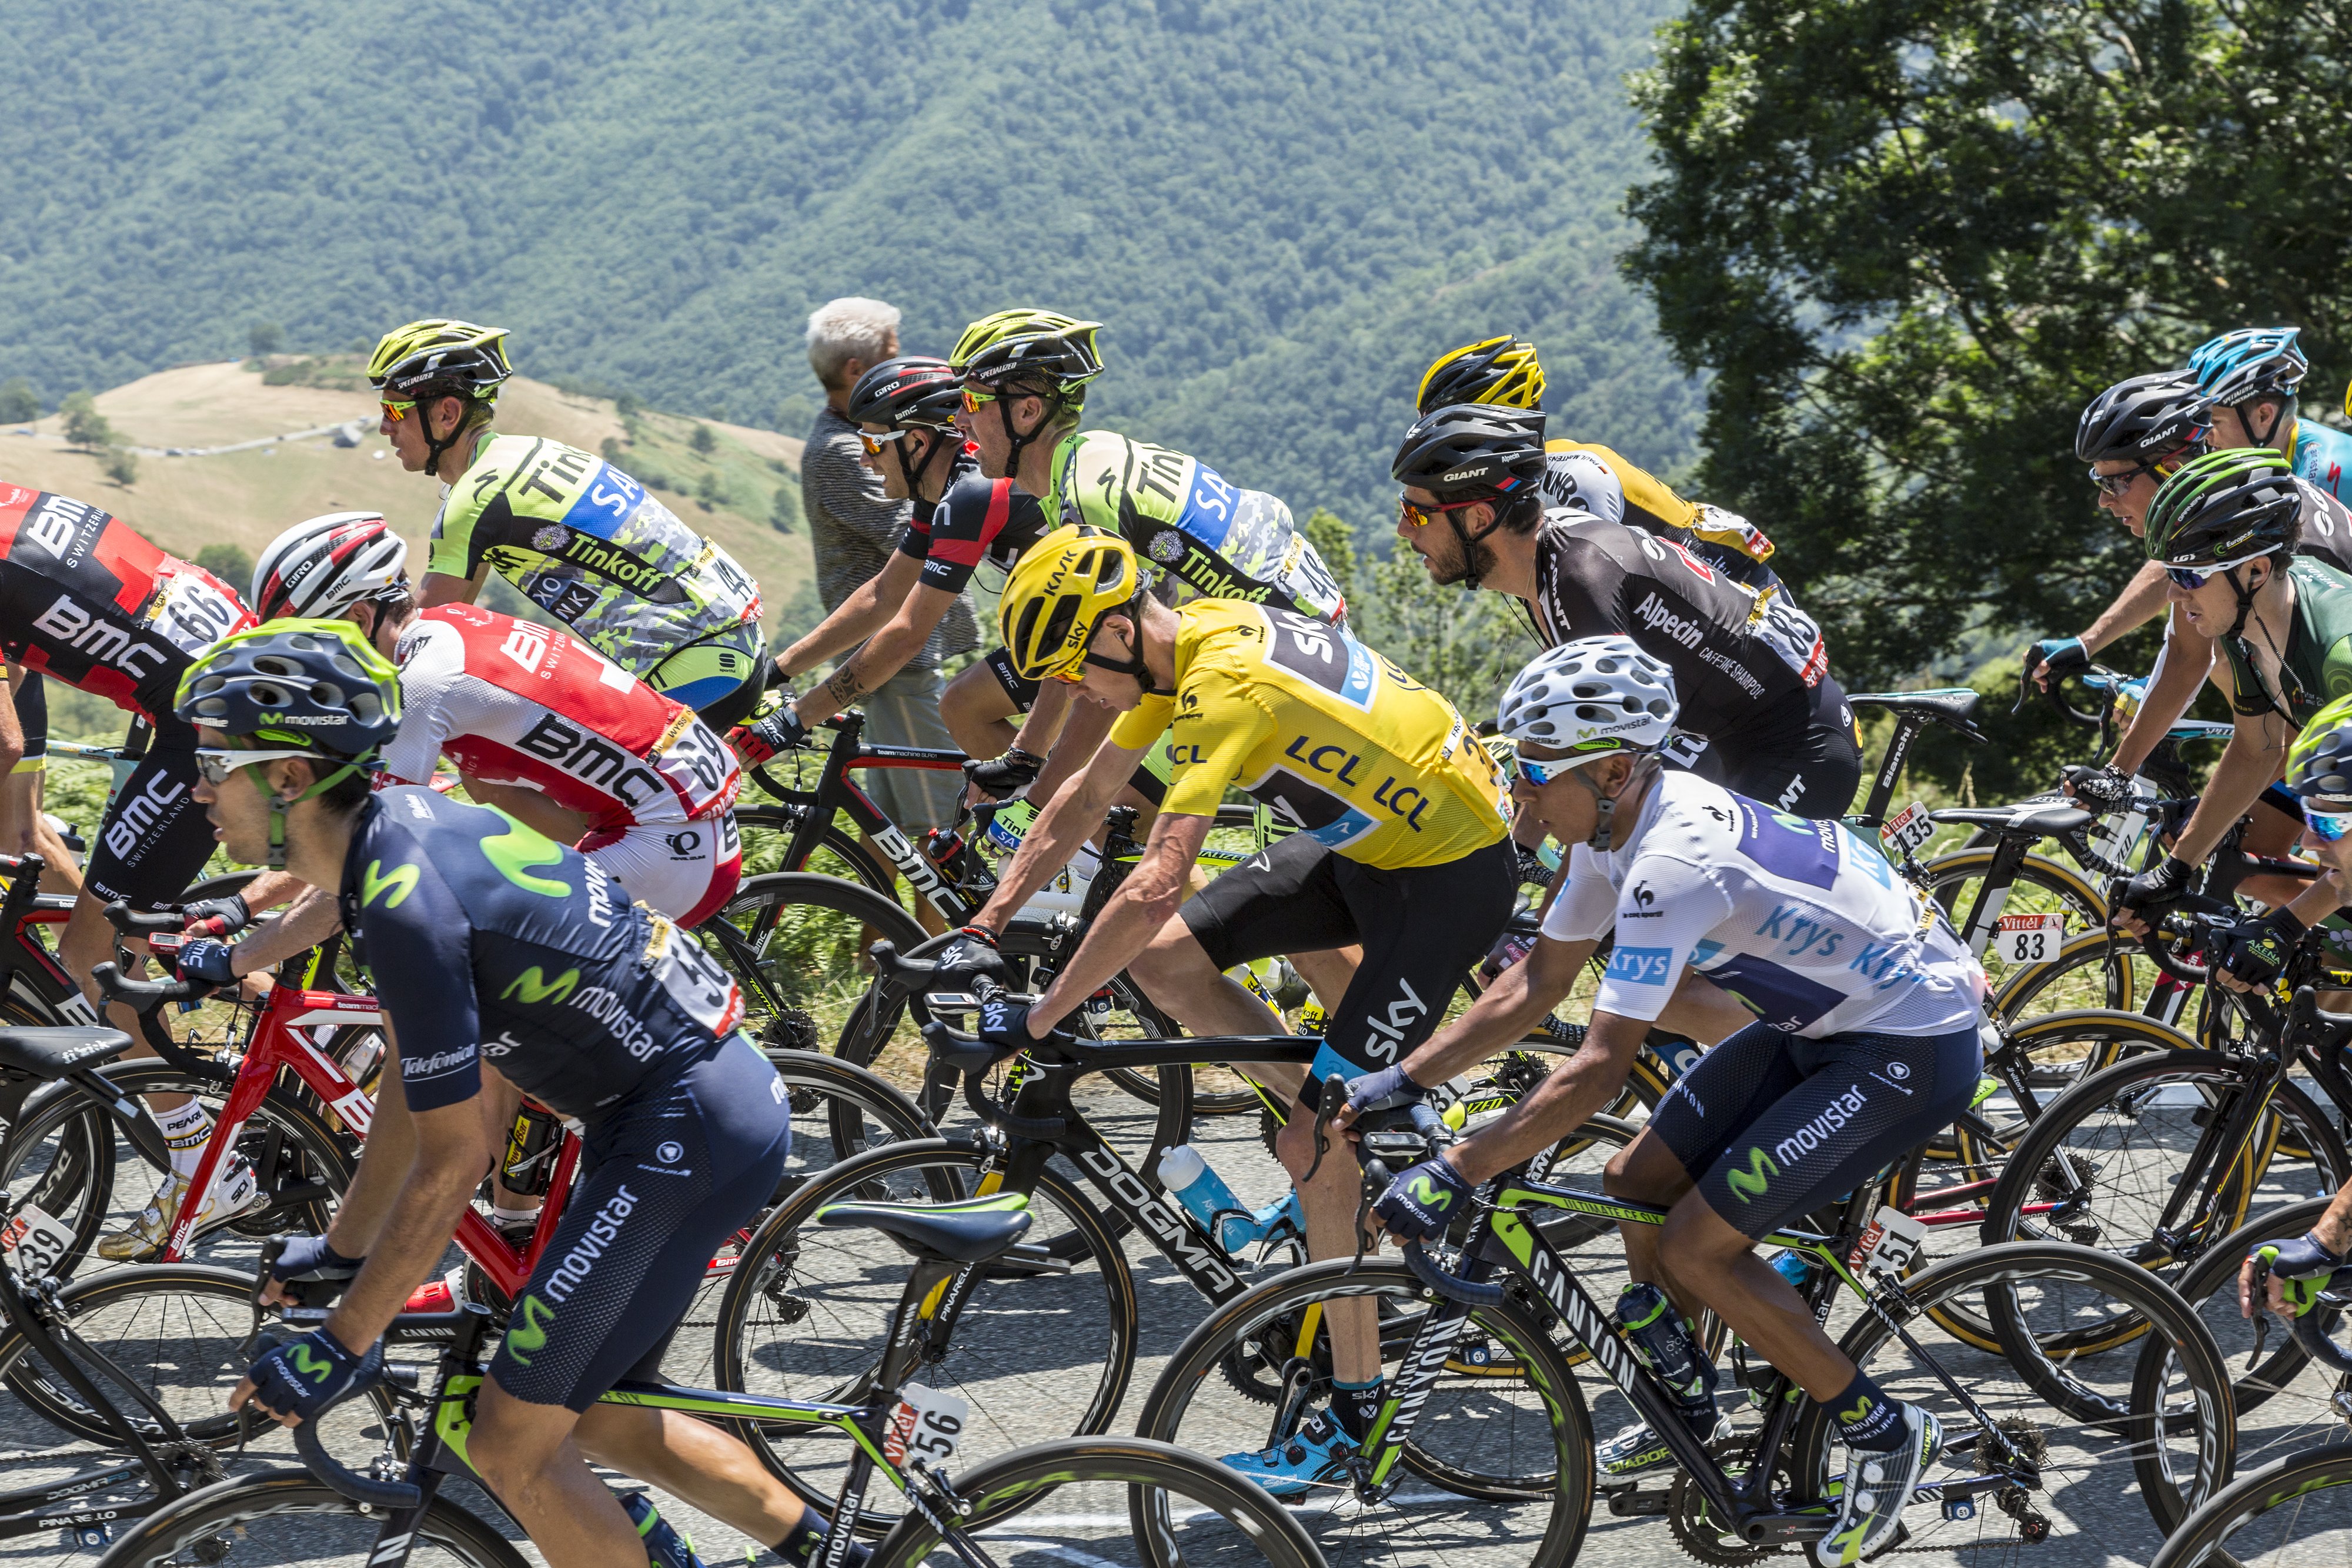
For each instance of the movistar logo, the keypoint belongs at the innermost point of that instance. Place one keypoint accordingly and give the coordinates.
(1750, 1184)
(536, 987)
(517, 850)
(1854, 1417)
(310, 1363)
(402, 881)
(1430, 1193)
(527, 1333)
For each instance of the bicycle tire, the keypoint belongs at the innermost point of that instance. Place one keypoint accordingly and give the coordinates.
(2206, 1535)
(848, 1090)
(210, 1524)
(1237, 1329)
(2146, 1416)
(790, 942)
(2211, 1289)
(777, 1254)
(1145, 1469)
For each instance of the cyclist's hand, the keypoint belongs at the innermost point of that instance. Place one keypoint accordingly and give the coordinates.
(1422, 1202)
(971, 957)
(1007, 1025)
(2258, 950)
(1530, 866)
(2097, 788)
(295, 1382)
(1384, 1090)
(765, 738)
(2152, 892)
(2299, 1270)
(209, 961)
(217, 916)
(1003, 777)
(2055, 658)
(309, 1262)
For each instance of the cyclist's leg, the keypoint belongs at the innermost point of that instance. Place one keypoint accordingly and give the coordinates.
(721, 678)
(684, 870)
(153, 843)
(982, 707)
(1288, 898)
(1813, 772)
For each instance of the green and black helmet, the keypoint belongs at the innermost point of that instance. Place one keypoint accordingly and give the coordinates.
(1052, 352)
(2225, 506)
(2319, 763)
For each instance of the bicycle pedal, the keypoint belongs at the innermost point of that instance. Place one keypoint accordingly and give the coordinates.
(1632, 1502)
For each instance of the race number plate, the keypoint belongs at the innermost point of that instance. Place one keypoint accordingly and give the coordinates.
(1890, 1243)
(926, 1426)
(1908, 829)
(33, 1242)
(2029, 938)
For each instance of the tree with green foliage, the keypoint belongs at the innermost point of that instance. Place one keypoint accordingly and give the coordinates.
(707, 491)
(85, 427)
(785, 512)
(229, 563)
(121, 466)
(19, 403)
(1908, 240)
(264, 338)
(704, 441)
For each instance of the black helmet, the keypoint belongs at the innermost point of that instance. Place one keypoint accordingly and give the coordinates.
(2224, 506)
(2141, 420)
(913, 392)
(1473, 450)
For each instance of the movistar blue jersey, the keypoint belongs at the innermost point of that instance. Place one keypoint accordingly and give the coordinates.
(2323, 454)
(488, 941)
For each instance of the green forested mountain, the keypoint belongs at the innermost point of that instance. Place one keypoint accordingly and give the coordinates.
(1280, 211)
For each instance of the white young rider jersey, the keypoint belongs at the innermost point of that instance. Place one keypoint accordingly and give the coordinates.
(1805, 923)
(512, 702)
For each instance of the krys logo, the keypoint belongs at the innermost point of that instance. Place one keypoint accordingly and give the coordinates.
(1641, 965)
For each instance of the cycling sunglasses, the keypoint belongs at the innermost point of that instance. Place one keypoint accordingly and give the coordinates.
(2116, 483)
(1420, 517)
(2327, 827)
(1542, 773)
(396, 408)
(215, 763)
(2195, 576)
(874, 443)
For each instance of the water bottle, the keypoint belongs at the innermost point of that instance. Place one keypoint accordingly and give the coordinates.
(1009, 825)
(1793, 1267)
(1202, 1191)
(1661, 1343)
(665, 1547)
(1067, 893)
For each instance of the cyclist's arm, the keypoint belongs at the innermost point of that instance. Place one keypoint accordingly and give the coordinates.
(2253, 759)
(314, 918)
(16, 806)
(2188, 661)
(2140, 602)
(1073, 746)
(1563, 1101)
(857, 617)
(453, 1153)
(440, 588)
(1520, 999)
(885, 653)
(1133, 915)
(1077, 810)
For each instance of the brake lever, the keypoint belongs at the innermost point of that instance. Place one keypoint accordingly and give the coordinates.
(1328, 1103)
(2260, 1294)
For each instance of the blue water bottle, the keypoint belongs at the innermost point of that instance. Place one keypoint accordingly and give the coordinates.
(1202, 1191)
(1661, 1343)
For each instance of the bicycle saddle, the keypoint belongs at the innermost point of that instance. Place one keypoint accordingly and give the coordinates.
(1953, 706)
(54, 1053)
(2037, 822)
(971, 1231)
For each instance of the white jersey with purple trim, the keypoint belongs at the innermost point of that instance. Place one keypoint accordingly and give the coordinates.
(1804, 923)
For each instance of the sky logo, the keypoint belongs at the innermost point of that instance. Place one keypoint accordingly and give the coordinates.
(1641, 965)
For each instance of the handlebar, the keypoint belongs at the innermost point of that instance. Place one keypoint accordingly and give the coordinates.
(1469, 1293)
(128, 921)
(967, 1054)
(368, 1489)
(2308, 1336)
(143, 997)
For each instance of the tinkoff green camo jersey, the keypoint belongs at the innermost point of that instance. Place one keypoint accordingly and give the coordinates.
(593, 547)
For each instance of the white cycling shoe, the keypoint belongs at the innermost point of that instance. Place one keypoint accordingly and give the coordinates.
(1877, 1488)
(234, 1192)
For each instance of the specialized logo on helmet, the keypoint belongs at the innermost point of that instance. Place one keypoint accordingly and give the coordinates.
(550, 540)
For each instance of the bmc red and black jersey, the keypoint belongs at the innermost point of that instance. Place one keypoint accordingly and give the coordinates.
(978, 519)
(84, 599)
(1738, 656)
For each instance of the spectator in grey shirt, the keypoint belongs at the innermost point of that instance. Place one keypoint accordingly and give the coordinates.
(854, 528)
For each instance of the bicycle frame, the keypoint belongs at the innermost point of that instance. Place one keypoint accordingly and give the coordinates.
(29, 971)
(837, 791)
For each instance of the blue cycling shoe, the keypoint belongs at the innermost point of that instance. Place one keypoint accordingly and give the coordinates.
(1314, 1456)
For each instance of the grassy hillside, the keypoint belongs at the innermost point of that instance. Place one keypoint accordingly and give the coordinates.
(1282, 211)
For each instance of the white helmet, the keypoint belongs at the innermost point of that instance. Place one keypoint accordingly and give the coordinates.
(321, 568)
(1594, 696)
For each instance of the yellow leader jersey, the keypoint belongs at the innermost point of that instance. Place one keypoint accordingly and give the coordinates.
(1333, 738)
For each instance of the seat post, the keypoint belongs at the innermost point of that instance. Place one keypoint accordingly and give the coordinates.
(1890, 768)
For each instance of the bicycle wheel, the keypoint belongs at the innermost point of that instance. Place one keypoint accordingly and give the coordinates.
(2165, 1404)
(839, 1109)
(838, 853)
(2092, 969)
(2284, 1403)
(286, 1517)
(1120, 1502)
(796, 941)
(300, 1163)
(1507, 1446)
(2294, 1512)
(1956, 881)
(808, 1312)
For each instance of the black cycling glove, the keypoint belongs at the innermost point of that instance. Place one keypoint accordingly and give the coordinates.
(1003, 777)
(217, 916)
(2098, 788)
(971, 957)
(2259, 950)
(2152, 892)
(309, 1262)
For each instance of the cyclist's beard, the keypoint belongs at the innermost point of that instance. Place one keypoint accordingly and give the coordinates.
(1467, 560)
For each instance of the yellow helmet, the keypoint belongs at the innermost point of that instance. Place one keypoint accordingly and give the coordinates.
(1498, 371)
(468, 360)
(1058, 592)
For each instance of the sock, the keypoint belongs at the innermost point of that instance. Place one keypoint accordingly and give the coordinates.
(1356, 1405)
(806, 1538)
(504, 1217)
(185, 1131)
(1868, 1419)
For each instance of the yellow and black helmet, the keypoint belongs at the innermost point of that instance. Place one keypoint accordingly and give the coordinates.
(1058, 592)
(1055, 352)
(1498, 371)
(448, 359)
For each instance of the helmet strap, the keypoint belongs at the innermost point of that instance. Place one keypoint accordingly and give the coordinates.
(1470, 544)
(1133, 665)
(2276, 420)
(1604, 831)
(280, 805)
(434, 449)
(1015, 439)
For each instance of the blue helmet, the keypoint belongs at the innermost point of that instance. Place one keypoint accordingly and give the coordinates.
(2250, 362)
